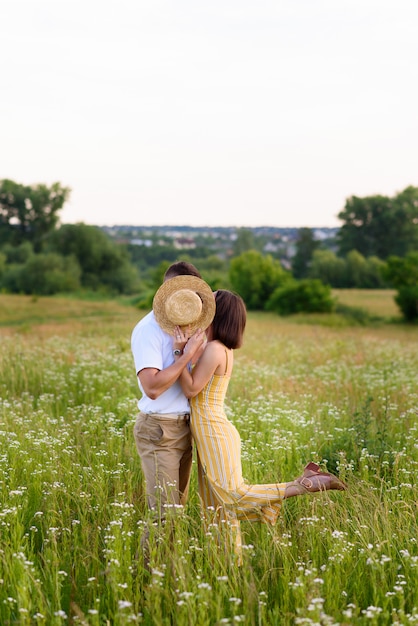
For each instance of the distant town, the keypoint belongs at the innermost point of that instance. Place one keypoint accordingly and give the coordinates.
(272, 240)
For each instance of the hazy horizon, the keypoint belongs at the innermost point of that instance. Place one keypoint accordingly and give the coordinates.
(212, 226)
(229, 112)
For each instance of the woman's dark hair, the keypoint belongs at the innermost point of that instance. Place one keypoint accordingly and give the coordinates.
(230, 318)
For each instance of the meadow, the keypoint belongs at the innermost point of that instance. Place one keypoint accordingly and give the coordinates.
(73, 510)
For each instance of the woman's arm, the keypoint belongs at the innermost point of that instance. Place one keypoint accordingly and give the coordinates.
(154, 381)
(194, 381)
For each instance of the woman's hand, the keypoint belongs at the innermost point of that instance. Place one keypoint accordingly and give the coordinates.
(195, 342)
(199, 351)
(180, 338)
(190, 345)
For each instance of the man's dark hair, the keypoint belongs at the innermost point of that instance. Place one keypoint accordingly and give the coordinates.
(181, 268)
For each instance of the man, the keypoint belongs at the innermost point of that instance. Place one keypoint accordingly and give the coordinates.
(162, 431)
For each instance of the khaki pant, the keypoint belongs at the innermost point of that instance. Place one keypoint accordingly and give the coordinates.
(164, 445)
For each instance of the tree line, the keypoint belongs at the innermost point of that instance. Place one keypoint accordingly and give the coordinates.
(376, 247)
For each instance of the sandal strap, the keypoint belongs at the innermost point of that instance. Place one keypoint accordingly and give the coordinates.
(306, 482)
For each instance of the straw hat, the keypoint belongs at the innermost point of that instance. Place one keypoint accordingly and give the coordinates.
(184, 301)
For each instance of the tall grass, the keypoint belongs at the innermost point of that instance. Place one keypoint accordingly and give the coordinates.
(73, 511)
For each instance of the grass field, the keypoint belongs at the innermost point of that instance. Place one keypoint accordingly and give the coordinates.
(376, 301)
(73, 510)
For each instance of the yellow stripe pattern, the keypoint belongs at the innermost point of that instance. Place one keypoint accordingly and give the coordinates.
(218, 443)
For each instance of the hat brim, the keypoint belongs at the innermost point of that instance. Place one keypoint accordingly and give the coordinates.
(193, 283)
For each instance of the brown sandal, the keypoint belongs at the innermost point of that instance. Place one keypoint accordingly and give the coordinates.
(313, 480)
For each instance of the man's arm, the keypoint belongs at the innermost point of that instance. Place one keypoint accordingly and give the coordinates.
(154, 381)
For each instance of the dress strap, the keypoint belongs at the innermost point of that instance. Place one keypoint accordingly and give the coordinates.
(226, 362)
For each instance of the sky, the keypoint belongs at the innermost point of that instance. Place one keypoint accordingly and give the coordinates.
(221, 113)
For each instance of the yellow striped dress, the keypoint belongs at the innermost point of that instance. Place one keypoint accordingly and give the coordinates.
(222, 487)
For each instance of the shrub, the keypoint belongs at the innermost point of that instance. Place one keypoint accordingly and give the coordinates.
(255, 277)
(43, 274)
(304, 296)
(355, 314)
(407, 301)
(10, 278)
(18, 254)
(403, 274)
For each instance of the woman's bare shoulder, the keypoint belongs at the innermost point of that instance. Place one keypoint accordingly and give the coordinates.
(214, 349)
(216, 345)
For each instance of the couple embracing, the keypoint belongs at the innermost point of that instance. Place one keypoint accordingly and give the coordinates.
(184, 356)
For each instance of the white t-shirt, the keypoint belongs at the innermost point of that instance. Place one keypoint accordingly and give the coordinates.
(152, 347)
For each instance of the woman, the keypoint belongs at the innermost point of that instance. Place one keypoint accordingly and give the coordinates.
(221, 484)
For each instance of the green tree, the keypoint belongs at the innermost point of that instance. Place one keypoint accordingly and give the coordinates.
(214, 271)
(255, 277)
(144, 257)
(328, 268)
(356, 269)
(103, 262)
(29, 212)
(305, 247)
(2, 265)
(402, 273)
(244, 241)
(379, 225)
(374, 278)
